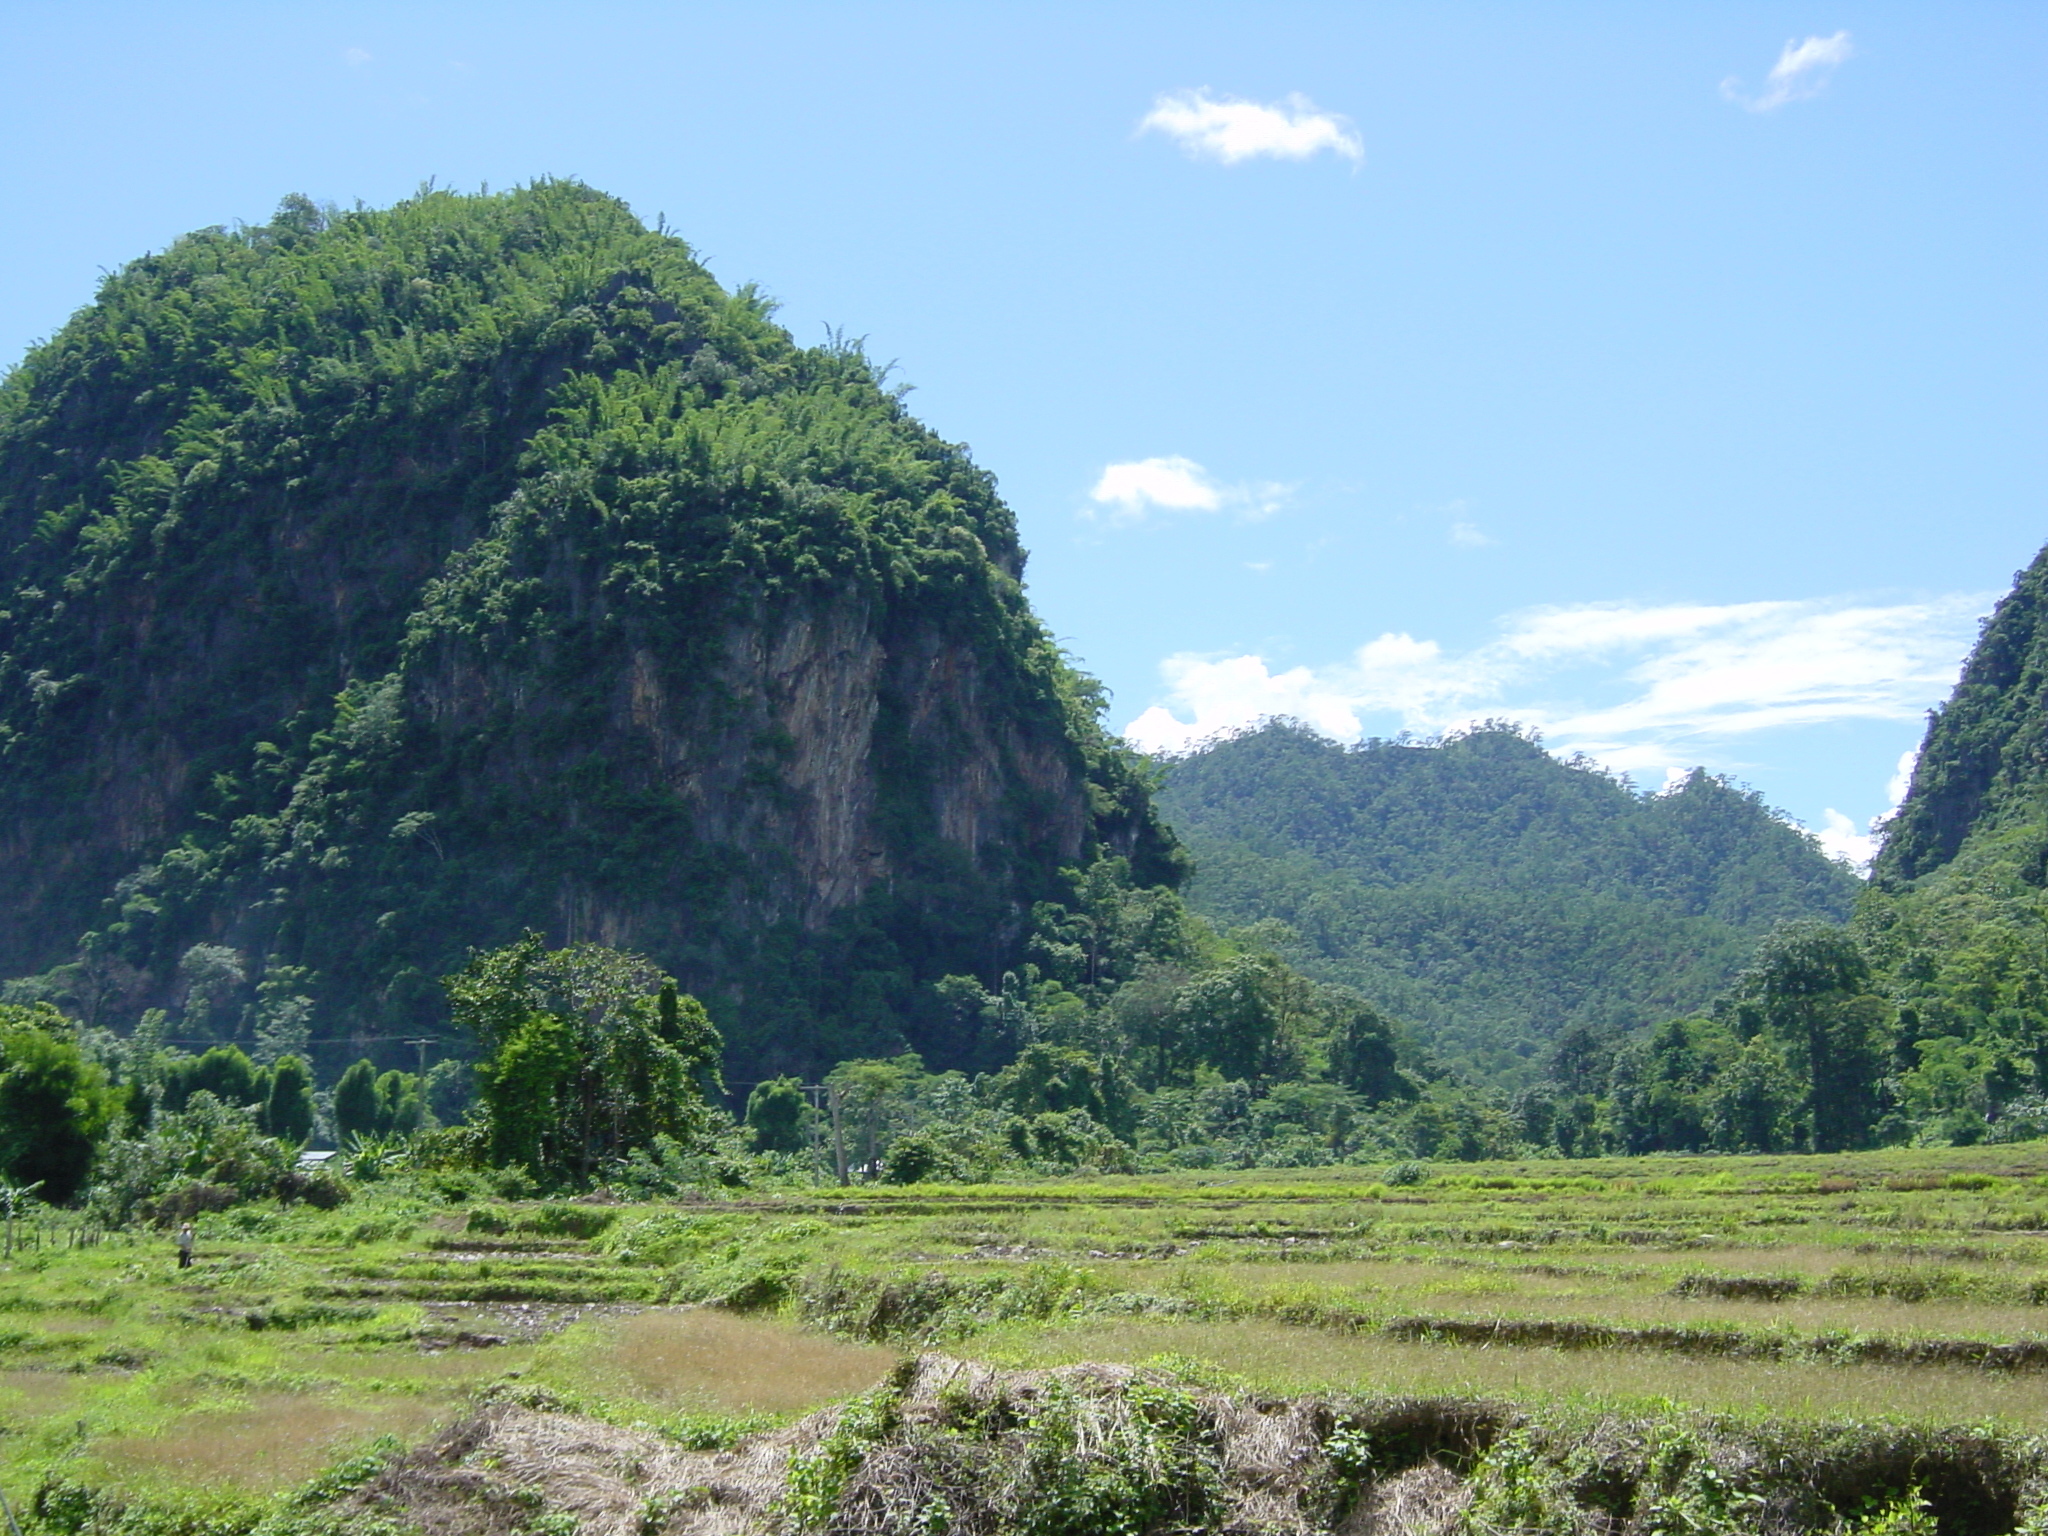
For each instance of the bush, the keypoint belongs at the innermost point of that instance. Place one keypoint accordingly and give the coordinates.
(317, 1188)
(921, 1157)
(185, 1202)
(207, 1143)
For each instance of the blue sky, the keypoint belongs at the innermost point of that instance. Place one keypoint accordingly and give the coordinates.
(1668, 377)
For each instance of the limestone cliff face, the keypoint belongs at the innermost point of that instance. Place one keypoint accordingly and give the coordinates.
(379, 585)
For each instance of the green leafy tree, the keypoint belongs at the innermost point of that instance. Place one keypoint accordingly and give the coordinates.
(1754, 1103)
(225, 1072)
(1659, 1088)
(1049, 1080)
(288, 1113)
(584, 1060)
(776, 1115)
(877, 1100)
(355, 1102)
(686, 1029)
(1235, 1018)
(54, 1103)
(401, 1106)
(1809, 989)
(1364, 1059)
(211, 976)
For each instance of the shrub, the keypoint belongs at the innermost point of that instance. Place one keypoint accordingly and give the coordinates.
(580, 1221)
(207, 1143)
(921, 1157)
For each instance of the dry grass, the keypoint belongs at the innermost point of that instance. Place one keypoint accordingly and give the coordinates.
(487, 1475)
(1423, 1501)
(1626, 1296)
(72, 1323)
(276, 1441)
(701, 1358)
(1288, 1360)
(454, 1368)
(33, 1394)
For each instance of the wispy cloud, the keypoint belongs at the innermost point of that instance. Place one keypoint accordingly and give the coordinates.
(1133, 492)
(1467, 536)
(1229, 129)
(1803, 70)
(356, 57)
(1649, 690)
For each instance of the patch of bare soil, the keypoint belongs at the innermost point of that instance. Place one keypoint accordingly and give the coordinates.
(484, 1324)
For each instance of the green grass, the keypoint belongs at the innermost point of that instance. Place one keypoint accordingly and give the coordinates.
(302, 1336)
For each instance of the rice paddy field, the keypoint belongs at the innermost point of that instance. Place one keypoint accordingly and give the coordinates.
(1904, 1288)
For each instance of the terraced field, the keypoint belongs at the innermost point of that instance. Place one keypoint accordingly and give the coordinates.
(1904, 1289)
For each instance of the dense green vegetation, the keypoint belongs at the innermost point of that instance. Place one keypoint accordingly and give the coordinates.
(1833, 1344)
(382, 586)
(1956, 920)
(1489, 894)
(377, 585)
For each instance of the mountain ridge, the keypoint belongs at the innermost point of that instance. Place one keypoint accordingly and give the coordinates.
(1486, 892)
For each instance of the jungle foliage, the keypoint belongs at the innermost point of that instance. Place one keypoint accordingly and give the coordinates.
(1486, 892)
(588, 1055)
(1955, 923)
(1925, 1018)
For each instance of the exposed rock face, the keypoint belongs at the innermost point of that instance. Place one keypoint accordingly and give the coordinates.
(377, 586)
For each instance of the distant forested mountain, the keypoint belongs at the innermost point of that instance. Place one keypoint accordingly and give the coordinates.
(1486, 892)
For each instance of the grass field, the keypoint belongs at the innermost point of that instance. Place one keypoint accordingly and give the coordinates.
(1893, 1287)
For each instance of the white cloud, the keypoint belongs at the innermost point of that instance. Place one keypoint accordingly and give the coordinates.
(1902, 778)
(356, 56)
(1802, 71)
(1839, 839)
(1839, 836)
(1468, 536)
(1181, 485)
(1648, 690)
(1130, 493)
(1229, 129)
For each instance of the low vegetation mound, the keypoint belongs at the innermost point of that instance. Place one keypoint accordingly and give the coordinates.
(952, 1448)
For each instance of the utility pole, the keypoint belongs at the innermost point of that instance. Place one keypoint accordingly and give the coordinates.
(422, 1044)
(838, 1134)
(814, 1129)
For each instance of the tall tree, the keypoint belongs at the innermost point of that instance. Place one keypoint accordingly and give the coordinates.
(1810, 990)
(355, 1102)
(589, 1053)
(288, 1113)
(54, 1103)
(776, 1111)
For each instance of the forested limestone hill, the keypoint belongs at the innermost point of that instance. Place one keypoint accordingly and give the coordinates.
(1957, 915)
(1485, 891)
(375, 585)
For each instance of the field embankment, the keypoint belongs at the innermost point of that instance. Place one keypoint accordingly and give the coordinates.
(1814, 1342)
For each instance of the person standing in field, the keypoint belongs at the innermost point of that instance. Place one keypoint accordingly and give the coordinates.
(185, 1237)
